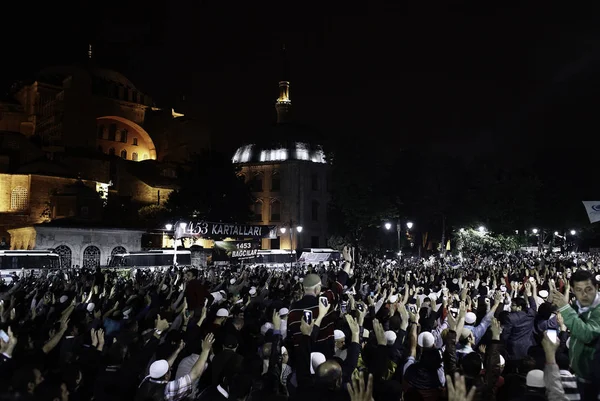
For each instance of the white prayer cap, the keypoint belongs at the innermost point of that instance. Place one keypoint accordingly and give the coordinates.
(394, 299)
(252, 291)
(90, 307)
(232, 281)
(316, 359)
(390, 337)
(159, 368)
(266, 327)
(222, 313)
(283, 311)
(63, 299)
(470, 318)
(543, 294)
(338, 334)
(425, 340)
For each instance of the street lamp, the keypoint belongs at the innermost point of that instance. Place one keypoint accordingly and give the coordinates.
(573, 232)
(481, 229)
(388, 226)
(409, 225)
(292, 228)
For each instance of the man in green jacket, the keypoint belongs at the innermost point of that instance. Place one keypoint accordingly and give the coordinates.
(583, 320)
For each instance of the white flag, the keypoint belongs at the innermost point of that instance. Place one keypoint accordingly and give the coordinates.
(593, 210)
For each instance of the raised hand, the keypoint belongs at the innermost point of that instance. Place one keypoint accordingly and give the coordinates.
(357, 389)
(458, 390)
(208, 342)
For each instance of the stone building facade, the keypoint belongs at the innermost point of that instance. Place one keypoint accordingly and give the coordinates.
(289, 180)
(87, 247)
(89, 125)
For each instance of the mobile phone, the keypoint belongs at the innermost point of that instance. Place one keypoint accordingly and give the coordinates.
(324, 301)
(372, 293)
(412, 308)
(308, 316)
(553, 336)
(4, 336)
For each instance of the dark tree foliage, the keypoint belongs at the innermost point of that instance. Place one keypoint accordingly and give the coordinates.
(210, 189)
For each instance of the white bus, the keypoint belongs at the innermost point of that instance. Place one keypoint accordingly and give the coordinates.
(13, 262)
(319, 255)
(161, 258)
(279, 258)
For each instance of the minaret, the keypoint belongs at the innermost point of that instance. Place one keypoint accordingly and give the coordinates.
(284, 103)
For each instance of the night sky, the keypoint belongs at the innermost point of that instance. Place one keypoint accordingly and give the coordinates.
(403, 75)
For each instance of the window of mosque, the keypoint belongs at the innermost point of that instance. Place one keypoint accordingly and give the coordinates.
(65, 255)
(275, 210)
(18, 198)
(112, 132)
(124, 154)
(275, 181)
(257, 210)
(145, 156)
(134, 156)
(315, 210)
(134, 141)
(91, 257)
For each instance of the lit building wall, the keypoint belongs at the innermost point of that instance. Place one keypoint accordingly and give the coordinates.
(124, 138)
(291, 191)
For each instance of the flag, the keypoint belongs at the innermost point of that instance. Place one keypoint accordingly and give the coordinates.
(593, 210)
(448, 245)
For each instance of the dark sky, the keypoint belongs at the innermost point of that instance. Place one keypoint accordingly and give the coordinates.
(404, 73)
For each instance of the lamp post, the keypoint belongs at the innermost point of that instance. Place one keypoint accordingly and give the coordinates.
(291, 227)
(409, 226)
(179, 226)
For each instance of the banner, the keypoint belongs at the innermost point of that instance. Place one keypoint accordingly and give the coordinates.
(593, 210)
(239, 249)
(209, 230)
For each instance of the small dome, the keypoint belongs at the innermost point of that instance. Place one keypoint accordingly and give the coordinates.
(279, 151)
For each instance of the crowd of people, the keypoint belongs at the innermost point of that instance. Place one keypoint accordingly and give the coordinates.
(496, 327)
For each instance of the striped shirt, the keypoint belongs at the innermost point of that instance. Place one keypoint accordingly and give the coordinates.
(569, 383)
(310, 302)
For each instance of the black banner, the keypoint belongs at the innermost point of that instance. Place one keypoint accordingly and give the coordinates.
(208, 229)
(239, 249)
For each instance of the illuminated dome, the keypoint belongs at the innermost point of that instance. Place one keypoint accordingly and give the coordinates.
(257, 153)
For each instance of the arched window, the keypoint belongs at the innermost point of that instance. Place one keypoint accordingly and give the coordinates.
(124, 154)
(275, 210)
(275, 181)
(65, 254)
(18, 198)
(111, 151)
(134, 157)
(134, 141)
(91, 256)
(117, 250)
(256, 185)
(315, 210)
(257, 210)
(145, 157)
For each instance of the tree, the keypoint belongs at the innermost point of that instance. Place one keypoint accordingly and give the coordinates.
(361, 193)
(210, 189)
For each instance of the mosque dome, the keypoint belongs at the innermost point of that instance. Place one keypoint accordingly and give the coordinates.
(56, 74)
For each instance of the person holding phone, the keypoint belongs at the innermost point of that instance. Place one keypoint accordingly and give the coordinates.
(313, 301)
